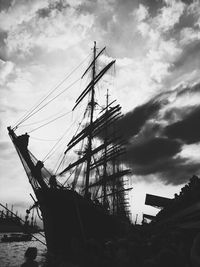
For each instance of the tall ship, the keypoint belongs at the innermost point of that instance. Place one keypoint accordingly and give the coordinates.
(93, 200)
(10, 222)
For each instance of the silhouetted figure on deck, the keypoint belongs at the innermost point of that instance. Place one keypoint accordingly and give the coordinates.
(53, 182)
(38, 169)
(30, 255)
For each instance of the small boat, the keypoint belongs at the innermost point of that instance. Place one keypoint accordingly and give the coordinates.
(16, 238)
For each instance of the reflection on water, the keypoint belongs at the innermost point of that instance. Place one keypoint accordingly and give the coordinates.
(12, 254)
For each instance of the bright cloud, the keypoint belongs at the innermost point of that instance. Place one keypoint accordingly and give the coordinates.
(62, 29)
(141, 13)
(170, 15)
(6, 68)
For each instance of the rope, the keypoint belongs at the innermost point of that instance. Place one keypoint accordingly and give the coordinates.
(50, 121)
(28, 114)
(69, 177)
(46, 119)
(49, 153)
(62, 160)
(41, 139)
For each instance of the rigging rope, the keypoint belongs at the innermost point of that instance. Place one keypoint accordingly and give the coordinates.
(49, 154)
(75, 134)
(78, 169)
(41, 139)
(50, 121)
(65, 149)
(62, 160)
(69, 177)
(48, 102)
(97, 170)
(31, 112)
(46, 119)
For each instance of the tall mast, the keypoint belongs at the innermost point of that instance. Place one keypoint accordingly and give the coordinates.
(105, 154)
(92, 104)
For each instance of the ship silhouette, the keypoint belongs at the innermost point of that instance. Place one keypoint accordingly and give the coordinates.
(95, 203)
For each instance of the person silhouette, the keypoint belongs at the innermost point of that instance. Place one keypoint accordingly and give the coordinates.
(30, 256)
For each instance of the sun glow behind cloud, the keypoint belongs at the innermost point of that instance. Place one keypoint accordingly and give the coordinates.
(157, 52)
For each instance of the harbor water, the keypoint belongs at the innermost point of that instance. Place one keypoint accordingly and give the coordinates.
(12, 254)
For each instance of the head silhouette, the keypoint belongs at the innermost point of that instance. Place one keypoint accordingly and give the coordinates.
(31, 253)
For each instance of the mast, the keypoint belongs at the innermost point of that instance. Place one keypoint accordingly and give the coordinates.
(109, 148)
(105, 152)
(92, 104)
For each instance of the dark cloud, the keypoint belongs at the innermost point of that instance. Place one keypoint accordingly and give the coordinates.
(186, 20)
(160, 157)
(189, 89)
(190, 55)
(187, 130)
(88, 6)
(174, 171)
(132, 122)
(59, 5)
(3, 49)
(178, 171)
(185, 68)
(5, 4)
(152, 150)
(44, 12)
(175, 114)
(187, 2)
(153, 6)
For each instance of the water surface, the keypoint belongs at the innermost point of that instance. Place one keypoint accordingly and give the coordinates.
(12, 254)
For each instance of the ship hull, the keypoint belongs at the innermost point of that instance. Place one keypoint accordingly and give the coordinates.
(68, 218)
(6, 228)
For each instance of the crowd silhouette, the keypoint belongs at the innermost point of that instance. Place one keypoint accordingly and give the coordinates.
(162, 243)
(166, 248)
(188, 197)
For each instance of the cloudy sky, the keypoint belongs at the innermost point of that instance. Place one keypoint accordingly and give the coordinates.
(156, 45)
